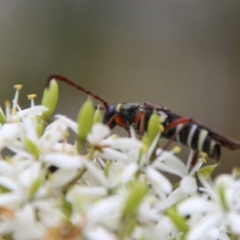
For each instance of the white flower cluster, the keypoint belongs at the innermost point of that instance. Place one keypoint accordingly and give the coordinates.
(115, 190)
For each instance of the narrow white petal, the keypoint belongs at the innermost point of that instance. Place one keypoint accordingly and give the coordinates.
(162, 166)
(99, 131)
(25, 226)
(128, 172)
(62, 160)
(159, 179)
(174, 197)
(125, 144)
(188, 185)
(9, 184)
(29, 127)
(9, 132)
(5, 168)
(104, 209)
(195, 205)
(213, 234)
(172, 161)
(89, 192)
(99, 233)
(35, 110)
(69, 122)
(111, 154)
(54, 133)
(10, 200)
(28, 175)
(203, 226)
(96, 173)
(233, 222)
(62, 177)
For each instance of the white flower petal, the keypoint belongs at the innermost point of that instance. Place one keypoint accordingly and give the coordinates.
(172, 162)
(69, 122)
(35, 110)
(99, 131)
(89, 192)
(188, 185)
(53, 133)
(158, 179)
(195, 205)
(233, 222)
(99, 233)
(30, 126)
(203, 226)
(10, 200)
(62, 177)
(111, 154)
(129, 172)
(10, 184)
(25, 227)
(63, 160)
(125, 144)
(27, 176)
(95, 172)
(174, 197)
(9, 132)
(104, 209)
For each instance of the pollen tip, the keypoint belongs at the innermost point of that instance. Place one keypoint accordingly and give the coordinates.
(17, 86)
(7, 103)
(31, 96)
(176, 149)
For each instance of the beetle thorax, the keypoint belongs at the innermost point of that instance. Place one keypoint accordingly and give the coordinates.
(127, 111)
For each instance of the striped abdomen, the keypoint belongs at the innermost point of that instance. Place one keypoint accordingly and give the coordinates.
(197, 138)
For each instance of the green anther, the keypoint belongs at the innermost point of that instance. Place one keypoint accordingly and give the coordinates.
(49, 100)
(84, 120)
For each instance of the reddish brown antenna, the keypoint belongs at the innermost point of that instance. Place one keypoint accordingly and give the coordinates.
(69, 82)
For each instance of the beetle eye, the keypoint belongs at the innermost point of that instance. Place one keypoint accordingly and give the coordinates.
(109, 112)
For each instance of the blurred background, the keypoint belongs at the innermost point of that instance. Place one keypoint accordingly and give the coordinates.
(184, 55)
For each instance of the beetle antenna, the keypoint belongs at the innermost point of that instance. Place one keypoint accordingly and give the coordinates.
(69, 82)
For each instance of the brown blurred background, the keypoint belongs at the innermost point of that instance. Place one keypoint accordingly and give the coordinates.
(184, 55)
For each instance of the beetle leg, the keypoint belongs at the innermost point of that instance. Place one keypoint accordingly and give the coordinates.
(182, 120)
(140, 119)
(118, 120)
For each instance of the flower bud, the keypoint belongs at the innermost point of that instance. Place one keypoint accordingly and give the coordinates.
(50, 98)
(154, 127)
(136, 194)
(84, 120)
(97, 118)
